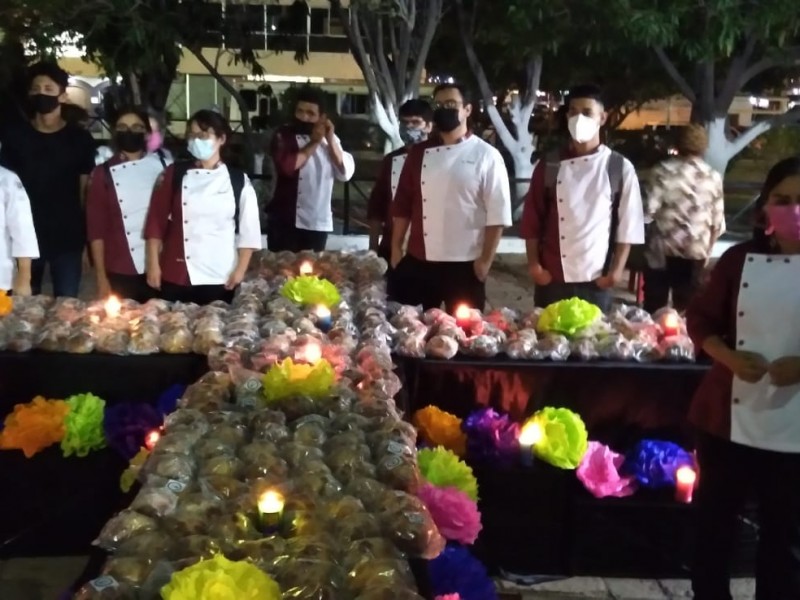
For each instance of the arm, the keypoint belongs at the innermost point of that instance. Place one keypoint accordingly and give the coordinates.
(534, 213)
(157, 224)
(249, 238)
(288, 158)
(20, 230)
(97, 220)
(380, 200)
(496, 197)
(631, 221)
(655, 194)
(344, 165)
(87, 163)
(407, 189)
(718, 225)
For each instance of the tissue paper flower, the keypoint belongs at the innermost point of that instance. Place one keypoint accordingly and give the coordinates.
(129, 475)
(442, 468)
(127, 424)
(168, 401)
(455, 572)
(655, 462)
(83, 425)
(448, 597)
(491, 437)
(287, 378)
(311, 290)
(455, 514)
(599, 473)
(439, 428)
(221, 579)
(568, 317)
(564, 439)
(34, 426)
(6, 303)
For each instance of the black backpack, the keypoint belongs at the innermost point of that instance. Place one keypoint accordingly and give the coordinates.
(237, 183)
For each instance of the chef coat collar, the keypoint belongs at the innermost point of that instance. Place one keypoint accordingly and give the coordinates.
(437, 140)
(568, 153)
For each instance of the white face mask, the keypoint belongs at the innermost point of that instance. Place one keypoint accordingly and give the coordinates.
(582, 128)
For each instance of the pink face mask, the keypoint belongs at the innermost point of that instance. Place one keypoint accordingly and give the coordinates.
(154, 141)
(784, 221)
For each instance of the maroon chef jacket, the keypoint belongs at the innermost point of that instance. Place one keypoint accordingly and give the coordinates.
(380, 200)
(165, 222)
(284, 151)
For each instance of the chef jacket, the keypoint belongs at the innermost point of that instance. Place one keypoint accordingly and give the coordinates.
(752, 302)
(380, 199)
(200, 243)
(16, 223)
(303, 197)
(573, 222)
(116, 209)
(451, 193)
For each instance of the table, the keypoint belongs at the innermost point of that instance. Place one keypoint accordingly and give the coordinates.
(51, 505)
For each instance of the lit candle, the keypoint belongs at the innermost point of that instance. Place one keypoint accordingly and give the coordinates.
(310, 353)
(306, 268)
(671, 324)
(530, 435)
(323, 315)
(270, 511)
(463, 315)
(685, 480)
(113, 307)
(151, 439)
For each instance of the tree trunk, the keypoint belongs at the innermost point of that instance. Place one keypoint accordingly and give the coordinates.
(386, 118)
(718, 154)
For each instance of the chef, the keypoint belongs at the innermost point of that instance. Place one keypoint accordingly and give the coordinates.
(203, 224)
(583, 211)
(747, 409)
(453, 200)
(308, 158)
(116, 208)
(18, 240)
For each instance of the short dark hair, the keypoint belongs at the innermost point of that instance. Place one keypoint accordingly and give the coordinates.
(51, 70)
(134, 110)
(466, 95)
(211, 120)
(585, 90)
(416, 107)
(788, 167)
(312, 95)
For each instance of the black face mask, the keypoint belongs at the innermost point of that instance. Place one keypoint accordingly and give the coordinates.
(446, 119)
(43, 104)
(303, 127)
(130, 141)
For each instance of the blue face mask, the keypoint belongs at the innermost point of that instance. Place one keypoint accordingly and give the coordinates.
(201, 149)
(411, 135)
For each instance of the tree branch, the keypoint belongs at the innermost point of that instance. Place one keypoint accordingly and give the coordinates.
(472, 56)
(733, 79)
(749, 135)
(433, 15)
(788, 56)
(673, 72)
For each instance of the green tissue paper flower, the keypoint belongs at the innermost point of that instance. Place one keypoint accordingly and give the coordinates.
(443, 468)
(311, 290)
(568, 317)
(83, 425)
(564, 438)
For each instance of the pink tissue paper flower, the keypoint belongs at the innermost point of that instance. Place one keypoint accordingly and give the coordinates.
(455, 514)
(448, 597)
(599, 473)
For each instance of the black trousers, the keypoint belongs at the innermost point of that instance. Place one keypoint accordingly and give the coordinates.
(681, 276)
(545, 295)
(431, 284)
(730, 474)
(131, 286)
(285, 237)
(198, 294)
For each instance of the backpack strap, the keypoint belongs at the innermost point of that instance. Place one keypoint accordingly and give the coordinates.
(616, 164)
(162, 157)
(237, 183)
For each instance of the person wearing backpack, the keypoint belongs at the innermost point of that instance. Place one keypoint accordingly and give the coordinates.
(583, 211)
(203, 224)
(116, 208)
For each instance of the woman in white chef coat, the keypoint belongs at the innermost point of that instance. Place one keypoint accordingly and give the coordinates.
(747, 409)
(116, 208)
(17, 236)
(203, 224)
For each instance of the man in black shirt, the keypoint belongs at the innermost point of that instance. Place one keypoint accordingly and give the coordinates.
(53, 159)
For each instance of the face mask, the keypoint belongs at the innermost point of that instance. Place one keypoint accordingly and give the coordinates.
(583, 128)
(201, 149)
(784, 221)
(303, 127)
(43, 104)
(154, 141)
(446, 119)
(412, 135)
(130, 141)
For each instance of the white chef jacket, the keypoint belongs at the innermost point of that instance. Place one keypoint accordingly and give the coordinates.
(315, 185)
(16, 223)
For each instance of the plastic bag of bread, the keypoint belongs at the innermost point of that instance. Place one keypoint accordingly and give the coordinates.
(149, 545)
(305, 579)
(205, 397)
(194, 546)
(317, 485)
(207, 338)
(52, 336)
(399, 472)
(111, 341)
(178, 467)
(262, 464)
(194, 515)
(271, 432)
(375, 548)
(482, 346)
(80, 341)
(249, 389)
(297, 454)
(442, 346)
(388, 573)
(221, 465)
(406, 520)
(122, 527)
(189, 421)
(144, 337)
(309, 431)
(412, 346)
(130, 570)
(553, 347)
(177, 340)
(106, 587)
(356, 527)
(400, 432)
(584, 349)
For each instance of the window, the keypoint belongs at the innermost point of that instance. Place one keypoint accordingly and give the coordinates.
(355, 104)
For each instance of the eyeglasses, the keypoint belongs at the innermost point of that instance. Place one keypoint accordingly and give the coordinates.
(448, 104)
(200, 135)
(133, 128)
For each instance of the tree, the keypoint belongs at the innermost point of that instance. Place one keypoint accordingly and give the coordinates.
(714, 50)
(390, 41)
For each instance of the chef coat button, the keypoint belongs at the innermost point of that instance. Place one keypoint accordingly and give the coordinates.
(749, 259)
(786, 260)
(741, 313)
(736, 401)
(559, 183)
(124, 216)
(741, 342)
(424, 217)
(423, 183)
(185, 239)
(186, 187)
(563, 237)
(745, 285)
(127, 233)
(769, 260)
(560, 199)
(188, 257)
(562, 218)
(184, 203)
(186, 222)
(563, 256)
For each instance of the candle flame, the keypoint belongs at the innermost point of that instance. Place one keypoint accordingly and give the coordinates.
(151, 439)
(531, 433)
(686, 476)
(270, 502)
(671, 322)
(113, 306)
(322, 311)
(306, 268)
(462, 312)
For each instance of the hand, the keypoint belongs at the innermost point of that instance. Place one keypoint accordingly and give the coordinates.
(397, 256)
(785, 371)
(103, 287)
(21, 285)
(319, 130)
(748, 366)
(85, 260)
(481, 268)
(607, 282)
(154, 276)
(235, 279)
(540, 275)
(330, 129)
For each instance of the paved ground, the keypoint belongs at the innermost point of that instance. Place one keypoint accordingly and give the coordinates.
(45, 578)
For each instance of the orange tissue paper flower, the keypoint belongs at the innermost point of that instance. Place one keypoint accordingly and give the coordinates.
(34, 426)
(440, 428)
(6, 303)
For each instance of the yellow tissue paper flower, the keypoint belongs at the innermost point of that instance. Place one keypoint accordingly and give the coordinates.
(221, 579)
(287, 378)
(568, 317)
(311, 290)
(564, 437)
(129, 475)
(440, 428)
(442, 468)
